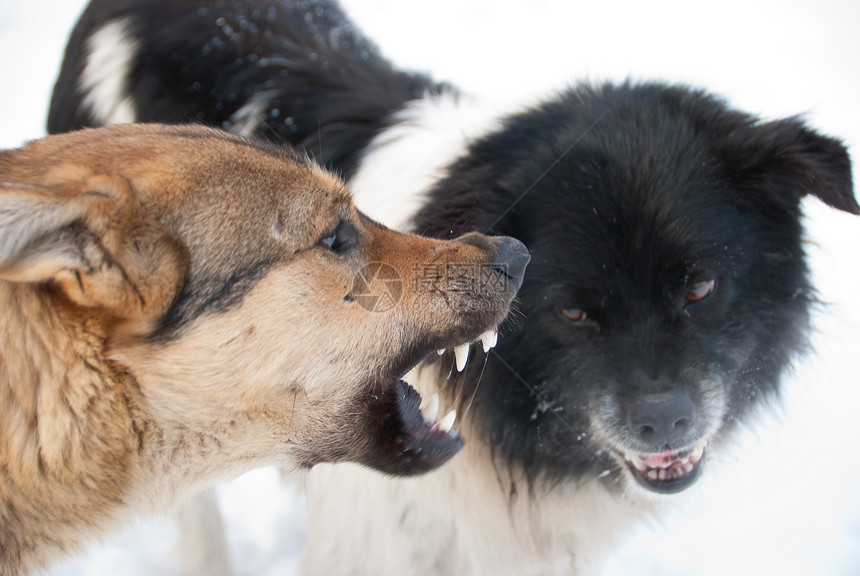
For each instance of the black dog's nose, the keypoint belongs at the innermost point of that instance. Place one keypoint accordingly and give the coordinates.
(661, 419)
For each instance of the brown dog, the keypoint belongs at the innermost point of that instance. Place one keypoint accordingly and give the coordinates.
(180, 305)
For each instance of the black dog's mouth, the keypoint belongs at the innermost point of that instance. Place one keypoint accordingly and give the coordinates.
(668, 472)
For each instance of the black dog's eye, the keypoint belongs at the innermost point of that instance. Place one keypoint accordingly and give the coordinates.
(575, 314)
(700, 290)
(344, 237)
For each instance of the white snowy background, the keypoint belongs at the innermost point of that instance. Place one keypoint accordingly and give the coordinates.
(788, 502)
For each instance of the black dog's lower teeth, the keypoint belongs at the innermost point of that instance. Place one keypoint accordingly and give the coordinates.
(669, 465)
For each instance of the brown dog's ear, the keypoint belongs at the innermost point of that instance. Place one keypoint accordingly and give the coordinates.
(95, 241)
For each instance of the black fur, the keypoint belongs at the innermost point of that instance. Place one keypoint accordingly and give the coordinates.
(201, 61)
(626, 196)
(631, 198)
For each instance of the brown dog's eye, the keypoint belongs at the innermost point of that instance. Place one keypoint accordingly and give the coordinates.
(344, 237)
(701, 290)
(575, 314)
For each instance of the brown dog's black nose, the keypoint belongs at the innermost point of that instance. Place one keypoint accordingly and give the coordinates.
(662, 419)
(513, 256)
(509, 256)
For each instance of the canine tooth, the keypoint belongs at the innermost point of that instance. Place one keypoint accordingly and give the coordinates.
(697, 452)
(652, 474)
(688, 467)
(461, 353)
(430, 411)
(489, 339)
(440, 351)
(637, 462)
(447, 422)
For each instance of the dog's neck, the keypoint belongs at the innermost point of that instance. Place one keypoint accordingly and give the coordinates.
(78, 444)
(63, 465)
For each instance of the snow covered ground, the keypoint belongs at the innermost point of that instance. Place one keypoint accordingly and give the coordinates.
(789, 502)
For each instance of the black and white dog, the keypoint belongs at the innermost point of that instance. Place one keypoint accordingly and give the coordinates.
(667, 295)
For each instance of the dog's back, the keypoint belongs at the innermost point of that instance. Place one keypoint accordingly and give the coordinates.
(224, 65)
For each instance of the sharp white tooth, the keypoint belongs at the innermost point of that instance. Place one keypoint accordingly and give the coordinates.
(652, 474)
(440, 351)
(461, 353)
(431, 409)
(489, 339)
(688, 467)
(697, 452)
(447, 422)
(637, 462)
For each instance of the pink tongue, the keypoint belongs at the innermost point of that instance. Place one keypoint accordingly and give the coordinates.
(659, 461)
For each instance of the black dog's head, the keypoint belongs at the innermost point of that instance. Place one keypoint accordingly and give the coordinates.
(668, 289)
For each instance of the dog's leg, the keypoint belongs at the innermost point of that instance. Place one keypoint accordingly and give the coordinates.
(202, 546)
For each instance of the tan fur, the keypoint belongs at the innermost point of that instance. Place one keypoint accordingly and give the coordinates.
(121, 389)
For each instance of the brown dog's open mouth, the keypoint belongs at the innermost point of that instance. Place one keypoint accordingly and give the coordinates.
(425, 442)
(668, 472)
(412, 438)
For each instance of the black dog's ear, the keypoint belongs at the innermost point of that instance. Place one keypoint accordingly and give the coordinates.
(785, 156)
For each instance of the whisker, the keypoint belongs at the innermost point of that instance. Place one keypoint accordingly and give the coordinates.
(475, 391)
(535, 393)
(308, 398)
